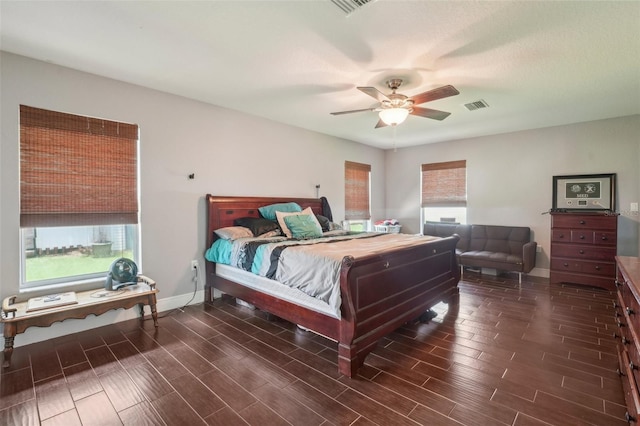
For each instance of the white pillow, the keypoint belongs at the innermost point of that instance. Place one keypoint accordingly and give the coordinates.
(281, 215)
(233, 232)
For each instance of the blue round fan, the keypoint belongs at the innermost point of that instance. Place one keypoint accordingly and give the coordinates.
(122, 272)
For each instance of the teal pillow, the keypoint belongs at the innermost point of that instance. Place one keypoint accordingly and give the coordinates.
(303, 226)
(269, 212)
(220, 251)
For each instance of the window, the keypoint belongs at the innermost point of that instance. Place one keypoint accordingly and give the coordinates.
(78, 196)
(444, 192)
(357, 188)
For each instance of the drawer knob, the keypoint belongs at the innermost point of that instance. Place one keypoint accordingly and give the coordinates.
(582, 222)
(629, 418)
(582, 237)
(565, 264)
(561, 236)
(624, 340)
(630, 311)
(604, 238)
(615, 304)
(581, 252)
(619, 372)
(597, 267)
(620, 324)
(618, 284)
(632, 366)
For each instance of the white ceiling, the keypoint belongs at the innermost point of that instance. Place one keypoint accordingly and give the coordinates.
(536, 63)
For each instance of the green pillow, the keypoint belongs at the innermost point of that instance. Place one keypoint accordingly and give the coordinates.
(269, 212)
(303, 226)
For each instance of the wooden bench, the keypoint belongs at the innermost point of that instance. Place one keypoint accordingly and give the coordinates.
(16, 319)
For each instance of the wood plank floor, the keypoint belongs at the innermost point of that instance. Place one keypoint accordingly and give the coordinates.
(535, 354)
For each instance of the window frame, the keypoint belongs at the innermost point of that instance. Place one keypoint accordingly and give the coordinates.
(357, 205)
(62, 137)
(451, 195)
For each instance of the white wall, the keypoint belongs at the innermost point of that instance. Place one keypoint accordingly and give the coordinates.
(510, 176)
(230, 153)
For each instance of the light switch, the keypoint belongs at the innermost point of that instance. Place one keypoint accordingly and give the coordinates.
(634, 207)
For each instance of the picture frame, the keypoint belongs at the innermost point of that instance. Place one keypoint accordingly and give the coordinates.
(584, 192)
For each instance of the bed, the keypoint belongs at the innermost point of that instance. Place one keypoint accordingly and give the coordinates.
(378, 292)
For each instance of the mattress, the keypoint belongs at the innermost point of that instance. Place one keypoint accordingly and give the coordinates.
(274, 288)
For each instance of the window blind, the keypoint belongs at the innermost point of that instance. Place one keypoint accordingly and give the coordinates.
(444, 184)
(356, 188)
(76, 170)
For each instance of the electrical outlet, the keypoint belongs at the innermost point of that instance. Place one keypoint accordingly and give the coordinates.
(194, 265)
(538, 249)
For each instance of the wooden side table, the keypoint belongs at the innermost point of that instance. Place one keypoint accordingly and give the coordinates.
(16, 319)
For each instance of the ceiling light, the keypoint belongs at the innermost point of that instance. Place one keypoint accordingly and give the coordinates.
(394, 116)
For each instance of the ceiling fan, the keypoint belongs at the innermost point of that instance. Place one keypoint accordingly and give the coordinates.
(395, 107)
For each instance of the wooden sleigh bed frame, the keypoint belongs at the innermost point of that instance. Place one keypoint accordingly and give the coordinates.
(379, 292)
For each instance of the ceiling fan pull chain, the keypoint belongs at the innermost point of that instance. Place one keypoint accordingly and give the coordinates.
(395, 149)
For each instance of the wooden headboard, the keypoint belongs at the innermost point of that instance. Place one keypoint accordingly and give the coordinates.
(222, 211)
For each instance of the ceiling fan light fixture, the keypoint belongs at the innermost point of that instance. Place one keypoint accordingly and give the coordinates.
(393, 116)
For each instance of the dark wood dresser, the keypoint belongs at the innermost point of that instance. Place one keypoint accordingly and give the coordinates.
(583, 248)
(627, 312)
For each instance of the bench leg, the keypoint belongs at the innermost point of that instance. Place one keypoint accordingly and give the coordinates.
(9, 335)
(152, 306)
(154, 314)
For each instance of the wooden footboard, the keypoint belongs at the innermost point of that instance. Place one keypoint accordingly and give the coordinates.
(379, 292)
(382, 292)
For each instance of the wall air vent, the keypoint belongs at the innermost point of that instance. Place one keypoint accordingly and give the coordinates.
(472, 106)
(350, 6)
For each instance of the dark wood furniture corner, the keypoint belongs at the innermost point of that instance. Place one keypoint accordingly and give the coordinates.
(583, 248)
(627, 312)
(16, 319)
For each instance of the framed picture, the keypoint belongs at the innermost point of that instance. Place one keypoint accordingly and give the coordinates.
(584, 192)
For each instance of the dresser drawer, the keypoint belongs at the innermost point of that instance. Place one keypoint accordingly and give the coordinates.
(623, 332)
(629, 385)
(584, 221)
(633, 364)
(607, 269)
(605, 238)
(584, 252)
(631, 311)
(584, 236)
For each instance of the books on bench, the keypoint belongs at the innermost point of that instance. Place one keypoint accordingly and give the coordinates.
(51, 301)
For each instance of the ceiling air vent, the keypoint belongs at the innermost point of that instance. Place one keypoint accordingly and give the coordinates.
(472, 106)
(349, 6)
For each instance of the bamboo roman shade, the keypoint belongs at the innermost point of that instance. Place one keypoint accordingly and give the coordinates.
(444, 184)
(76, 170)
(356, 188)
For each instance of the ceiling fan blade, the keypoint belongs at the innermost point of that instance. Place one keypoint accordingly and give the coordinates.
(374, 93)
(353, 110)
(430, 113)
(432, 95)
(381, 124)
